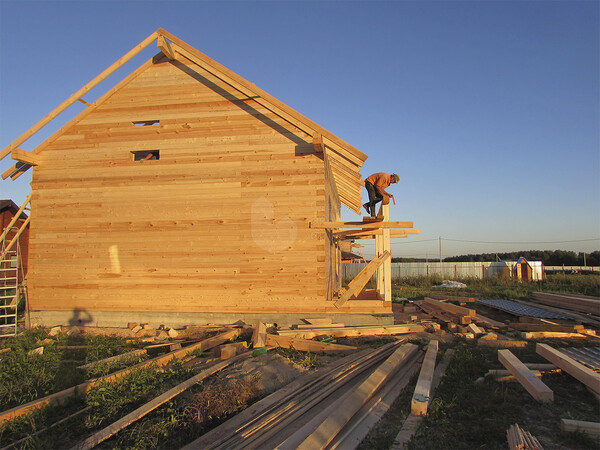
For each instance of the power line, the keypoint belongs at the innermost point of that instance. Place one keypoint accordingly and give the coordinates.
(521, 242)
(486, 242)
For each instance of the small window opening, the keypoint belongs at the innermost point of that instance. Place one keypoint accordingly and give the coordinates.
(146, 123)
(146, 155)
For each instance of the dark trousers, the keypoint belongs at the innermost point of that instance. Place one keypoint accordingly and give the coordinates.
(374, 196)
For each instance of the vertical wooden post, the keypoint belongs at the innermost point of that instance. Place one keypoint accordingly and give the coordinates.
(382, 244)
(387, 265)
(379, 273)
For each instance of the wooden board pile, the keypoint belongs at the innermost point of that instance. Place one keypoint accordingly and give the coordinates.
(582, 303)
(333, 407)
(519, 439)
(472, 325)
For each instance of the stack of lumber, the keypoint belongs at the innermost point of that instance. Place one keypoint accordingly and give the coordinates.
(331, 407)
(581, 303)
(519, 439)
(448, 312)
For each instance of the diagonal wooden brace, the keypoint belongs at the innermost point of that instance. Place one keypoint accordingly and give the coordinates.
(359, 282)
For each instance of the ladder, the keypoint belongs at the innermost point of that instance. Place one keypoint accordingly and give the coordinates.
(9, 287)
(10, 266)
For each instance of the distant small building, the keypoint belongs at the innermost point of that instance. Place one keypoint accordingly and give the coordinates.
(498, 269)
(522, 270)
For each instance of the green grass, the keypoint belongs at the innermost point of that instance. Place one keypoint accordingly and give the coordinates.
(25, 377)
(417, 288)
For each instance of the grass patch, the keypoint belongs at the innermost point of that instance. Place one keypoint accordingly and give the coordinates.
(417, 288)
(306, 360)
(25, 377)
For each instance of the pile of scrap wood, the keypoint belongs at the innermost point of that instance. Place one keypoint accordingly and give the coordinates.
(463, 320)
(531, 322)
(333, 407)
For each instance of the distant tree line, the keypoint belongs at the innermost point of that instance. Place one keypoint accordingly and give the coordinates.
(548, 257)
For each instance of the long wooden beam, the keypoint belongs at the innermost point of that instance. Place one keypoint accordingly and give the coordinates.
(368, 330)
(364, 225)
(422, 393)
(373, 234)
(165, 47)
(577, 370)
(77, 95)
(572, 426)
(25, 157)
(305, 345)
(528, 380)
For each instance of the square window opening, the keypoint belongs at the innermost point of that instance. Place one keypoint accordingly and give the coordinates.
(146, 123)
(146, 155)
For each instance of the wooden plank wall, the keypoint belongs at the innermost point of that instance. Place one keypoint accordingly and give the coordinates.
(218, 223)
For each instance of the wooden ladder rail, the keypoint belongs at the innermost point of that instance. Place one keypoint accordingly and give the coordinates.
(22, 228)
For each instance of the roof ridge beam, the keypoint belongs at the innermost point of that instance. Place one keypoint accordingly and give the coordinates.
(223, 73)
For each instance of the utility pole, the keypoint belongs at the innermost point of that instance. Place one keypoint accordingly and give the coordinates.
(441, 265)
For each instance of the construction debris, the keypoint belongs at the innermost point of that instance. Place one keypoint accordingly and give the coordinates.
(519, 439)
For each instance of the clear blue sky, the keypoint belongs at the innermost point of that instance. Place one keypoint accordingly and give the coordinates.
(488, 110)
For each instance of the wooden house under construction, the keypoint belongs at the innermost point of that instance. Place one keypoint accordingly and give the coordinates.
(185, 194)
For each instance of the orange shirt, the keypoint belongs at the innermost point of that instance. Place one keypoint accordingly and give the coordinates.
(380, 180)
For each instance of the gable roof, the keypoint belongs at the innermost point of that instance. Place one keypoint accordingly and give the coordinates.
(342, 160)
(11, 206)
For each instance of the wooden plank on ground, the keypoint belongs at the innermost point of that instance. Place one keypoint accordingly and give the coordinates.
(577, 370)
(327, 431)
(304, 345)
(528, 380)
(502, 343)
(359, 282)
(546, 327)
(140, 412)
(551, 335)
(412, 422)
(573, 426)
(374, 330)
(422, 393)
(454, 309)
(114, 358)
(490, 322)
